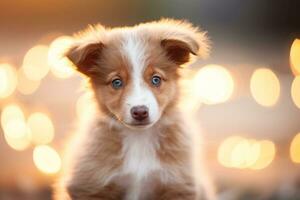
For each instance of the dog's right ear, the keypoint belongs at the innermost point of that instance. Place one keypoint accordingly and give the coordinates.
(85, 57)
(85, 53)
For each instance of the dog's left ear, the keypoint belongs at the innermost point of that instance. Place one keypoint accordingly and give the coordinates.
(178, 51)
(180, 39)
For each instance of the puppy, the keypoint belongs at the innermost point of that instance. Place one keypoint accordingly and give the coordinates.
(137, 147)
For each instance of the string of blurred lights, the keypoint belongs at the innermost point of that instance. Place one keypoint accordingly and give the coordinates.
(38, 130)
(242, 153)
(214, 82)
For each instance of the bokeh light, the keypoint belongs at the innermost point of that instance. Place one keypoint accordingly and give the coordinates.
(295, 91)
(34, 63)
(46, 159)
(8, 80)
(61, 67)
(241, 153)
(41, 127)
(13, 121)
(213, 84)
(21, 143)
(295, 149)
(295, 57)
(25, 85)
(13, 124)
(245, 153)
(267, 155)
(226, 148)
(265, 87)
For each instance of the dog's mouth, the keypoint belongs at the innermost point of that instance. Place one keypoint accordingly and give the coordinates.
(136, 124)
(139, 124)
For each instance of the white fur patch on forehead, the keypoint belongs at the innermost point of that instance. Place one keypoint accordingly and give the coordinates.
(134, 49)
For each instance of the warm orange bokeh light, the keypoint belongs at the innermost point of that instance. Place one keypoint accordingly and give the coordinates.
(241, 153)
(13, 123)
(265, 87)
(34, 64)
(20, 143)
(8, 80)
(41, 127)
(295, 91)
(295, 57)
(46, 159)
(213, 84)
(61, 67)
(295, 149)
(267, 155)
(25, 85)
(245, 153)
(226, 148)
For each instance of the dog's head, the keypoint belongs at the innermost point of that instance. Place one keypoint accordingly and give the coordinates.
(134, 70)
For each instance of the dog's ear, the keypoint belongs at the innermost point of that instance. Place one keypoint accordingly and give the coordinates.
(85, 53)
(85, 57)
(177, 50)
(180, 39)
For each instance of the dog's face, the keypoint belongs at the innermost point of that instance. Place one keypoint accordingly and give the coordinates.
(134, 71)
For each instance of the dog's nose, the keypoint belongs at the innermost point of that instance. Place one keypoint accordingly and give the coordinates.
(139, 112)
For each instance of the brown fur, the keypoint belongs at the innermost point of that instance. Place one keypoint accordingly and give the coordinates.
(90, 175)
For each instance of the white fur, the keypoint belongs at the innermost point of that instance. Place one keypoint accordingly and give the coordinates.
(140, 94)
(140, 159)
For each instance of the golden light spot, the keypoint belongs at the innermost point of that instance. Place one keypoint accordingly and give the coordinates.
(3, 81)
(46, 159)
(213, 84)
(15, 128)
(61, 67)
(253, 153)
(13, 123)
(239, 154)
(8, 80)
(295, 149)
(20, 143)
(242, 153)
(225, 150)
(295, 91)
(25, 85)
(295, 57)
(265, 87)
(35, 63)
(11, 112)
(41, 127)
(245, 153)
(267, 155)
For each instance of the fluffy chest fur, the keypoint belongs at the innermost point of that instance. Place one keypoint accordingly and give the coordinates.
(140, 160)
(139, 152)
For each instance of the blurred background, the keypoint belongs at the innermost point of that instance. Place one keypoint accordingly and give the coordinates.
(247, 92)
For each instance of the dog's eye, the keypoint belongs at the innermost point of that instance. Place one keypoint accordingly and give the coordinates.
(156, 80)
(117, 83)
